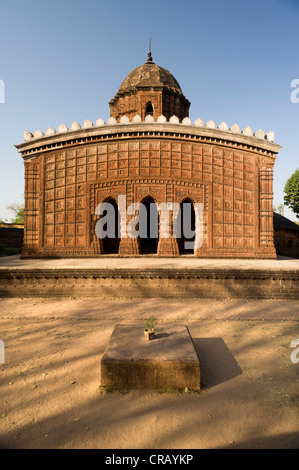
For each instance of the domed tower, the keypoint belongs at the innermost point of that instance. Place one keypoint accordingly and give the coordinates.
(149, 90)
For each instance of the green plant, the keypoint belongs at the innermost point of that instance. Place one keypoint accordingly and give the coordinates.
(150, 324)
(18, 210)
(7, 251)
(12, 251)
(279, 209)
(291, 191)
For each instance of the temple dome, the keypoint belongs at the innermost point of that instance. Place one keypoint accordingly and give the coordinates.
(150, 75)
(149, 89)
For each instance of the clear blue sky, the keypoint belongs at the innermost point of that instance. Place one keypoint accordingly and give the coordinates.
(63, 60)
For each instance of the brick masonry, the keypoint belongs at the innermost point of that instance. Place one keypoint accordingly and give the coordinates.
(11, 237)
(286, 242)
(63, 188)
(138, 283)
(152, 85)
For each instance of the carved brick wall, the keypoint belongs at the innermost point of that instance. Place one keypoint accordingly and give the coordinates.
(64, 186)
(32, 206)
(266, 206)
(164, 103)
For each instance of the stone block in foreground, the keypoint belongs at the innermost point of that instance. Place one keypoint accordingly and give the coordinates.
(131, 361)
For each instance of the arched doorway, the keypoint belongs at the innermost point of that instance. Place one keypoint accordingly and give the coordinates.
(111, 242)
(186, 227)
(149, 227)
(149, 110)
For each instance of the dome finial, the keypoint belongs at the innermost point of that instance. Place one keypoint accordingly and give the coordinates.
(149, 54)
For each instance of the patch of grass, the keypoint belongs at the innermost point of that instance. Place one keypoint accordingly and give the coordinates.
(103, 390)
(204, 385)
(162, 390)
(172, 390)
(106, 390)
(4, 251)
(294, 400)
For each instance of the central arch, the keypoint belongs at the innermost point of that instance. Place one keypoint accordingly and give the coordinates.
(149, 226)
(186, 226)
(111, 244)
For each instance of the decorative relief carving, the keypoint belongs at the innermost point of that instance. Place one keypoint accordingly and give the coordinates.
(74, 180)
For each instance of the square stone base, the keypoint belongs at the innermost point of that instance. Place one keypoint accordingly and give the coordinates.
(131, 361)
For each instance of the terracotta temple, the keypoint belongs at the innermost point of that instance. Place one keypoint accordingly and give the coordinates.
(151, 152)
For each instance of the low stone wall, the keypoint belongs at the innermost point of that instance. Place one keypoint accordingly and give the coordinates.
(286, 242)
(11, 237)
(155, 283)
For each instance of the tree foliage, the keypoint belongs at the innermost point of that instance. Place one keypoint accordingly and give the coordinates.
(18, 210)
(291, 191)
(279, 209)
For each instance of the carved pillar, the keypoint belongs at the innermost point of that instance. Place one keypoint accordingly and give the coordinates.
(97, 243)
(167, 245)
(127, 246)
(31, 227)
(266, 238)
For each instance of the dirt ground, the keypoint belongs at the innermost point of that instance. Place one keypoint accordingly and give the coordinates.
(49, 385)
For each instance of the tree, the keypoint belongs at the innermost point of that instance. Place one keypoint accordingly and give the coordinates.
(291, 190)
(279, 209)
(18, 210)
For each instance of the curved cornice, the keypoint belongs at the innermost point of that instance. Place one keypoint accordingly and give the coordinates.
(40, 143)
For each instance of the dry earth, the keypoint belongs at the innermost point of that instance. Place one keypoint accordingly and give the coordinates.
(49, 394)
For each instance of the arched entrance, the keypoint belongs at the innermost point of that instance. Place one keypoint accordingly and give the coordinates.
(111, 242)
(149, 110)
(149, 226)
(186, 226)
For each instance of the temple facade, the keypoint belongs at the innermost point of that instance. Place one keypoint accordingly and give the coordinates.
(150, 152)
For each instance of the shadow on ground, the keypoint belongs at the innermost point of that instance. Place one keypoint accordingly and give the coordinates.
(217, 364)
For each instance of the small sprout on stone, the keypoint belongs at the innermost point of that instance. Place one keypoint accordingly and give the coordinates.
(150, 324)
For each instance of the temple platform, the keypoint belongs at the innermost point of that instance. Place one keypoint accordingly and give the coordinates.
(148, 276)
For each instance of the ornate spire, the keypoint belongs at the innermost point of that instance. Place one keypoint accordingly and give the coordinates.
(149, 54)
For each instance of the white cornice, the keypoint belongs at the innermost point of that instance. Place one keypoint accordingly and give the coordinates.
(40, 142)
